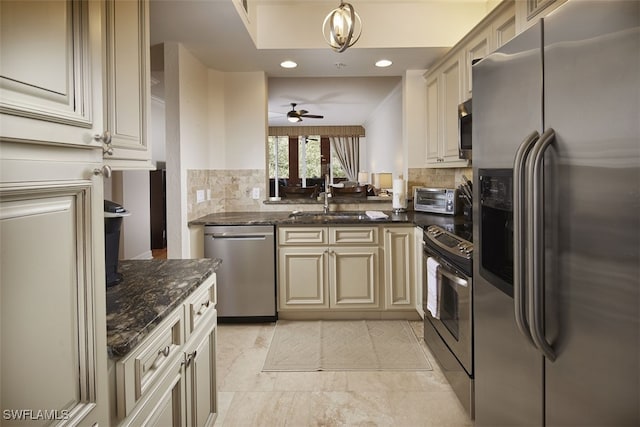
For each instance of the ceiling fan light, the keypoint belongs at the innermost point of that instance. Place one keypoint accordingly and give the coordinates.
(294, 119)
(342, 27)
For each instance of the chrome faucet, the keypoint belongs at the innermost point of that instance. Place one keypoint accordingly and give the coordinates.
(327, 189)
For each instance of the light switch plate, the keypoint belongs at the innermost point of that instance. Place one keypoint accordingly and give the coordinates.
(255, 193)
(199, 196)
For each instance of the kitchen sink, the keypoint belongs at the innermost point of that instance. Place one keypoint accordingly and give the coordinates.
(329, 216)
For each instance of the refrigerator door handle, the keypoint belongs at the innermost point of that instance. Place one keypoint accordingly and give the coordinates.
(535, 243)
(519, 221)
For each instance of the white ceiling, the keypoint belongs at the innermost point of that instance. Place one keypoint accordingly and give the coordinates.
(215, 33)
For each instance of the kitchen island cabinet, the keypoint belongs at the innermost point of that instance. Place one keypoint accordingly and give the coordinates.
(161, 324)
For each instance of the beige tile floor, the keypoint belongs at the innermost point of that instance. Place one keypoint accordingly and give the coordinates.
(250, 397)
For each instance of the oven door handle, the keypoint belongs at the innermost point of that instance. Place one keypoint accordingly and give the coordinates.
(455, 279)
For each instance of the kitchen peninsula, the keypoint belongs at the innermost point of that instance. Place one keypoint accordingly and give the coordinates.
(343, 264)
(161, 322)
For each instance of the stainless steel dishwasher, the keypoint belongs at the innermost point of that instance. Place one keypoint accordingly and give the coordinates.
(246, 278)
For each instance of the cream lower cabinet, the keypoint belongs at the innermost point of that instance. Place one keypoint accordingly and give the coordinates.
(52, 299)
(399, 268)
(418, 242)
(328, 268)
(169, 379)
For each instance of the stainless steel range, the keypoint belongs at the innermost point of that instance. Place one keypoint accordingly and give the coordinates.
(447, 303)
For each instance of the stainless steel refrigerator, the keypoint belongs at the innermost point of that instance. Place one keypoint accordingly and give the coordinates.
(556, 164)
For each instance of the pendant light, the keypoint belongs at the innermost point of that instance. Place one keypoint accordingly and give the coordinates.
(342, 27)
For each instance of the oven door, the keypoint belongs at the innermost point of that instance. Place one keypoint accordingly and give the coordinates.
(454, 325)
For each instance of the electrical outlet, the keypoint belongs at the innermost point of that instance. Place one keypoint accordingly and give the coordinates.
(199, 196)
(255, 193)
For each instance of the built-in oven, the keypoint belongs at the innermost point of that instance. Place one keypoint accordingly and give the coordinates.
(448, 307)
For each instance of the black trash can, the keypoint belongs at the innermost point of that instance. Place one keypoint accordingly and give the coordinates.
(113, 214)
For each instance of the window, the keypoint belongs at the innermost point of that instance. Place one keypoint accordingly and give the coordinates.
(302, 161)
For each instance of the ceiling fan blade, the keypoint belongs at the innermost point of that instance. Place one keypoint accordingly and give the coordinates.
(302, 112)
(312, 116)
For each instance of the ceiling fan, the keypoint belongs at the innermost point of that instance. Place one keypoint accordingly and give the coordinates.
(296, 116)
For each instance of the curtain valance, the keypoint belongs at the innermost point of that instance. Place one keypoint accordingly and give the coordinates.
(316, 130)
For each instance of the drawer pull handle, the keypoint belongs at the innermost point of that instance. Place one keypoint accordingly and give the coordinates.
(188, 358)
(162, 354)
(165, 351)
(203, 306)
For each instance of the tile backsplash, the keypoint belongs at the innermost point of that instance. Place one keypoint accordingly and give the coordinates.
(230, 190)
(439, 178)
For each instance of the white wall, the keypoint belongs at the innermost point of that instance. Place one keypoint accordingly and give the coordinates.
(246, 124)
(187, 138)
(136, 228)
(217, 116)
(384, 129)
(157, 125)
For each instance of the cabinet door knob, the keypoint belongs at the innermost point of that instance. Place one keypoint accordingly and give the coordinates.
(104, 171)
(105, 138)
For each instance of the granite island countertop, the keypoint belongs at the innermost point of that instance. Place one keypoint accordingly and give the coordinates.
(150, 290)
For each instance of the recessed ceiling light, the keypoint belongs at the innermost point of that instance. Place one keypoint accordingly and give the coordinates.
(383, 63)
(288, 64)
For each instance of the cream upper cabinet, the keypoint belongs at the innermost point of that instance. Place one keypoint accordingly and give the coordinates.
(127, 100)
(399, 271)
(450, 82)
(498, 28)
(528, 12)
(76, 73)
(444, 94)
(503, 26)
(51, 72)
(477, 48)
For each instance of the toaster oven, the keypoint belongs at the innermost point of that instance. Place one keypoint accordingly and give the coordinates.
(436, 200)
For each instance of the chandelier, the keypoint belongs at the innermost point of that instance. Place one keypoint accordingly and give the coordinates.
(342, 27)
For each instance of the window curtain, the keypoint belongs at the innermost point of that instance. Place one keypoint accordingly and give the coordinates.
(347, 150)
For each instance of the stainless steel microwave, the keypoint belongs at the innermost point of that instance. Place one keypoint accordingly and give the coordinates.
(464, 130)
(436, 200)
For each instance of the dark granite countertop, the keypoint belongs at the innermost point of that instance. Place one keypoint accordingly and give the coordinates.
(283, 218)
(150, 290)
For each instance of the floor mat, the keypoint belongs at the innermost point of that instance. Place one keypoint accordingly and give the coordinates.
(337, 345)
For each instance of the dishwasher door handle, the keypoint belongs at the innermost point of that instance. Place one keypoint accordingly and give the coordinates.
(238, 236)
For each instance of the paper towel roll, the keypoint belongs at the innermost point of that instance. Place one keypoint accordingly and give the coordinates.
(398, 185)
(399, 200)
